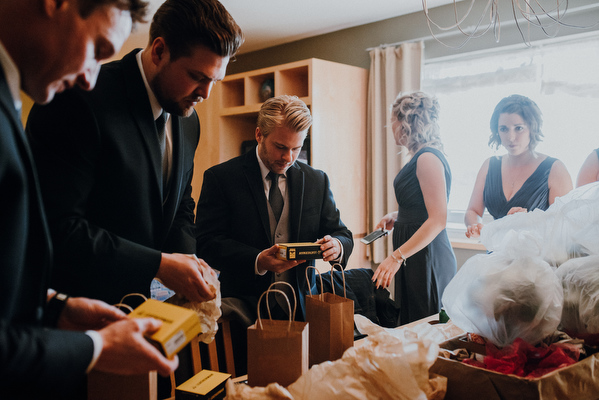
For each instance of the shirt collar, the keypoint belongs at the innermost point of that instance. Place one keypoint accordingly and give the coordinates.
(156, 107)
(13, 78)
(263, 169)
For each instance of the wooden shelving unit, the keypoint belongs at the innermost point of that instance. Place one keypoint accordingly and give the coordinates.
(337, 96)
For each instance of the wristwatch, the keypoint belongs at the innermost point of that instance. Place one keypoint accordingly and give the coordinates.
(54, 308)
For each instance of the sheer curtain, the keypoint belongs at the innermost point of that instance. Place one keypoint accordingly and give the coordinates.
(392, 70)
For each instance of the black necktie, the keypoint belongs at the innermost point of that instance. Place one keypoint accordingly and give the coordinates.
(275, 197)
(160, 129)
(160, 125)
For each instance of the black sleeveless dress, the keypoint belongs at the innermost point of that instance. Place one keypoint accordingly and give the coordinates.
(420, 282)
(533, 194)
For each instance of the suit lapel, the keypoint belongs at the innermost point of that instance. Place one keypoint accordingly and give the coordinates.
(141, 110)
(296, 200)
(38, 226)
(252, 173)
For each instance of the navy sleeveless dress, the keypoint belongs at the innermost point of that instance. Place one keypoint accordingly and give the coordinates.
(420, 282)
(533, 194)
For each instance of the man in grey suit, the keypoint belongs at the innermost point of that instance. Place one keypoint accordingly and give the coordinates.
(117, 187)
(49, 341)
(239, 226)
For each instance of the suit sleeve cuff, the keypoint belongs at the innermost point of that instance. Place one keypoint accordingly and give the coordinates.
(98, 345)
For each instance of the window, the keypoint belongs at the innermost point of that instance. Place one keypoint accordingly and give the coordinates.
(560, 76)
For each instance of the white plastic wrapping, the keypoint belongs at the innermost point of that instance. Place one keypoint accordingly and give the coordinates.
(503, 297)
(580, 281)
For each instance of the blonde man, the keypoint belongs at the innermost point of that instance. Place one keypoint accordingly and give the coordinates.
(239, 223)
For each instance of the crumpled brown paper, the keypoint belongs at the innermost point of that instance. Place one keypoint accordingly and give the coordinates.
(382, 367)
(208, 311)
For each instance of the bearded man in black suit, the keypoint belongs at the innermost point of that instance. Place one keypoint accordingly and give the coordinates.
(116, 182)
(49, 341)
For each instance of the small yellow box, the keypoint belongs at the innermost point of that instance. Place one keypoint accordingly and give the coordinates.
(299, 251)
(179, 325)
(205, 385)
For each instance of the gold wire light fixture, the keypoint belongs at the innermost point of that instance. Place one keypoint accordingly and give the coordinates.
(532, 13)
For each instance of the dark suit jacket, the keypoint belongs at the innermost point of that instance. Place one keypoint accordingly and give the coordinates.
(34, 362)
(99, 164)
(233, 226)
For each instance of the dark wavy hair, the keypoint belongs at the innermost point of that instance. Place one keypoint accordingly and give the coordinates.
(418, 114)
(137, 8)
(184, 24)
(524, 107)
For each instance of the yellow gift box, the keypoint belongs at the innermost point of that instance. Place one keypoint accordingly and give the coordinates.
(299, 251)
(179, 325)
(205, 385)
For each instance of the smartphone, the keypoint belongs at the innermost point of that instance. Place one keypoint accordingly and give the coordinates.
(371, 237)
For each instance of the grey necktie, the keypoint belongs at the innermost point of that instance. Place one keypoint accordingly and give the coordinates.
(275, 197)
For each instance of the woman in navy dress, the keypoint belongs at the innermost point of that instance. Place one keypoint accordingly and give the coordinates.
(423, 261)
(523, 179)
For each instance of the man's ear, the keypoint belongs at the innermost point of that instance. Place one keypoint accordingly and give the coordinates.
(52, 6)
(159, 51)
(259, 135)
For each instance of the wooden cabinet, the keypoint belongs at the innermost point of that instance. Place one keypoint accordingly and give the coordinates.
(337, 97)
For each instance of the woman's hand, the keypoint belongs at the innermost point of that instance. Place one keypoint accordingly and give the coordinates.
(385, 272)
(515, 210)
(473, 231)
(387, 222)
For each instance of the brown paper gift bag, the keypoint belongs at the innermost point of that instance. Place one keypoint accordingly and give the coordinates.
(277, 349)
(331, 319)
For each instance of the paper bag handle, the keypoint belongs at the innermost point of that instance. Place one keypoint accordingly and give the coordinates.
(308, 281)
(333, 279)
(127, 306)
(271, 290)
(292, 291)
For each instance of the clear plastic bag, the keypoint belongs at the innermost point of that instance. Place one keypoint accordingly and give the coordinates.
(503, 296)
(569, 228)
(580, 281)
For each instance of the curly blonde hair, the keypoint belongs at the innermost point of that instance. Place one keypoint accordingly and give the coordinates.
(418, 114)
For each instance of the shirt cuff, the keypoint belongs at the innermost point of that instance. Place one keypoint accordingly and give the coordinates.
(98, 345)
(340, 258)
(256, 270)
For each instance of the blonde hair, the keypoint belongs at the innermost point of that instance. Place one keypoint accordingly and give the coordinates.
(284, 111)
(418, 114)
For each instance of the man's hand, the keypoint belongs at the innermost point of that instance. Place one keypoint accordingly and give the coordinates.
(183, 274)
(268, 261)
(331, 248)
(127, 352)
(81, 314)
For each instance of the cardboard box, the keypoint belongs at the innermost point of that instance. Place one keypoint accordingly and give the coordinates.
(205, 385)
(464, 382)
(179, 325)
(299, 251)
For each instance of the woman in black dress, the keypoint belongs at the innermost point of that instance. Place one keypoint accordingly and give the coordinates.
(423, 261)
(523, 179)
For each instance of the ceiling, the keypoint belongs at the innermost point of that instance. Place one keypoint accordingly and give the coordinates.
(268, 23)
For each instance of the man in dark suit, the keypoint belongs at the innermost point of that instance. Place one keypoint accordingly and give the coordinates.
(238, 227)
(116, 186)
(45, 47)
